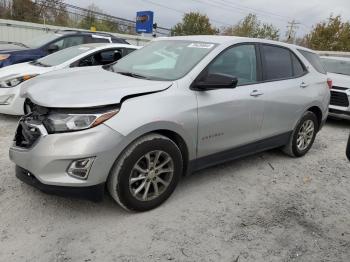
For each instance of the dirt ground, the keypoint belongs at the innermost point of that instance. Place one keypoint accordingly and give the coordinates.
(266, 207)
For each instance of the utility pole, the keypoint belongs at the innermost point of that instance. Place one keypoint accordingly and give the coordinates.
(292, 27)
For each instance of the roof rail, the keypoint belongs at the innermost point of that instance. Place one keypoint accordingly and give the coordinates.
(82, 31)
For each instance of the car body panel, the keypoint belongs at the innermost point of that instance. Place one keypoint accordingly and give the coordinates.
(209, 122)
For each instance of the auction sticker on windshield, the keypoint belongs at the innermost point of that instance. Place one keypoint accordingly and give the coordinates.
(201, 45)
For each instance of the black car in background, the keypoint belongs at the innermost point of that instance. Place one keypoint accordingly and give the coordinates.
(14, 53)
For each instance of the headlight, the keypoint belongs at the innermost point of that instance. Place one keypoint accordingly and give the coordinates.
(4, 56)
(12, 82)
(61, 122)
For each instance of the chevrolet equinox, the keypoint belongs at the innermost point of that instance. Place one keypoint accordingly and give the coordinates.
(178, 105)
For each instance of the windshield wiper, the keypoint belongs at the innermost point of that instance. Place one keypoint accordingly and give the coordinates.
(132, 74)
(36, 62)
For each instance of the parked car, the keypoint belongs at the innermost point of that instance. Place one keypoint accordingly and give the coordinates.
(171, 108)
(14, 53)
(339, 71)
(13, 77)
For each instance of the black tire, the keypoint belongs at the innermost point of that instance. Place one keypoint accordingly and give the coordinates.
(291, 148)
(118, 180)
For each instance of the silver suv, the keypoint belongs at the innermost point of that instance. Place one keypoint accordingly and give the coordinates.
(171, 108)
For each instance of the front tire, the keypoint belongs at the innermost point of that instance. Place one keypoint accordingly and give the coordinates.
(303, 136)
(146, 173)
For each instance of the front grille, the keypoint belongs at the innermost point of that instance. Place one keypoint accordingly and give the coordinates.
(30, 127)
(339, 99)
(26, 135)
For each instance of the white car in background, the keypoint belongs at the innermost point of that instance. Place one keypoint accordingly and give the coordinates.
(338, 69)
(12, 77)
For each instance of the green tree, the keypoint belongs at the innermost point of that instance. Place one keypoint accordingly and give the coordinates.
(24, 10)
(194, 23)
(90, 18)
(331, 35)
(250, 26)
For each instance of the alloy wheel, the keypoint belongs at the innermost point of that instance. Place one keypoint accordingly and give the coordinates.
(151, 175)
(305, 135)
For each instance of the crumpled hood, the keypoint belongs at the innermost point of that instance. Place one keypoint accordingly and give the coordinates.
(86, 87)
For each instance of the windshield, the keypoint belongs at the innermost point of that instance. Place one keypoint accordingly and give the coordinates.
(337, 66)
(164, 60)
(62, 56)
(41, 40)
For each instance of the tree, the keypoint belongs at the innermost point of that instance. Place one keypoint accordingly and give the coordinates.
(250, 26)
(53, 12)
(194, 23)
(90, 18)
(24, 10)
(331, 35)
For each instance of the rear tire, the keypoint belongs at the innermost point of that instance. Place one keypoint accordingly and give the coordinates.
(146, 173)
(303, 136)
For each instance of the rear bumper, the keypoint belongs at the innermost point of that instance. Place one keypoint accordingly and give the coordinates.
(94, 193)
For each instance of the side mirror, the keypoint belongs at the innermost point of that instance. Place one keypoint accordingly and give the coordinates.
(52, 48)
(215, 81)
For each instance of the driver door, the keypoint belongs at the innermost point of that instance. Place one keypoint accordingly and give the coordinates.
(230, 118)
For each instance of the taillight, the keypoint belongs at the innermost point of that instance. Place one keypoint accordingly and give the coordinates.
(329, 83)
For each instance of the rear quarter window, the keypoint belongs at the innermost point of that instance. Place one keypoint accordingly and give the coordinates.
(314, 60)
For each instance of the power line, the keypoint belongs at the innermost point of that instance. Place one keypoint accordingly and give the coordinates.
(182, 12)
(292, 27)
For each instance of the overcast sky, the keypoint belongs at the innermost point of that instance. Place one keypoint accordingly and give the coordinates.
(225, 12)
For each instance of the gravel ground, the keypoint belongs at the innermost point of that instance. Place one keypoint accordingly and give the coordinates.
(266, 207)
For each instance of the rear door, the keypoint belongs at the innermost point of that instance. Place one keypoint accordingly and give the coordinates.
(284, 88)
(229, 118)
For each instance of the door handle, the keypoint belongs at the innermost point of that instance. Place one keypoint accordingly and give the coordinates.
(256, 93)
(303, 85)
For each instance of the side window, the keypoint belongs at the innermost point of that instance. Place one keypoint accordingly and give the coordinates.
(298, 67)
(314, 60)
(92, 39)
(276, 62)
(238, 61)
(101, 58)
(128, 51)
(72, 41)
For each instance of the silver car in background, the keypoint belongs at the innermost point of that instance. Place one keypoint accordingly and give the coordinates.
(175, 106)
(338, 69)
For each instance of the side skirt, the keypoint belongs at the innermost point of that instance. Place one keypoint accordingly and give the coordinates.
(238, 152)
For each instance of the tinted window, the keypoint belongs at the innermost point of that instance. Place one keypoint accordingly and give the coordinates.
(298, 68)
(98, 40)
(238, 61)
(277, 63)
(101, 58)
(69, 41)
(314, 60)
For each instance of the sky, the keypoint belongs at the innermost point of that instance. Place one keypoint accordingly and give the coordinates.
(227, 12)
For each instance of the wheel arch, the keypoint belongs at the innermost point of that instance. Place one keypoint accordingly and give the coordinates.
(318, 112)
